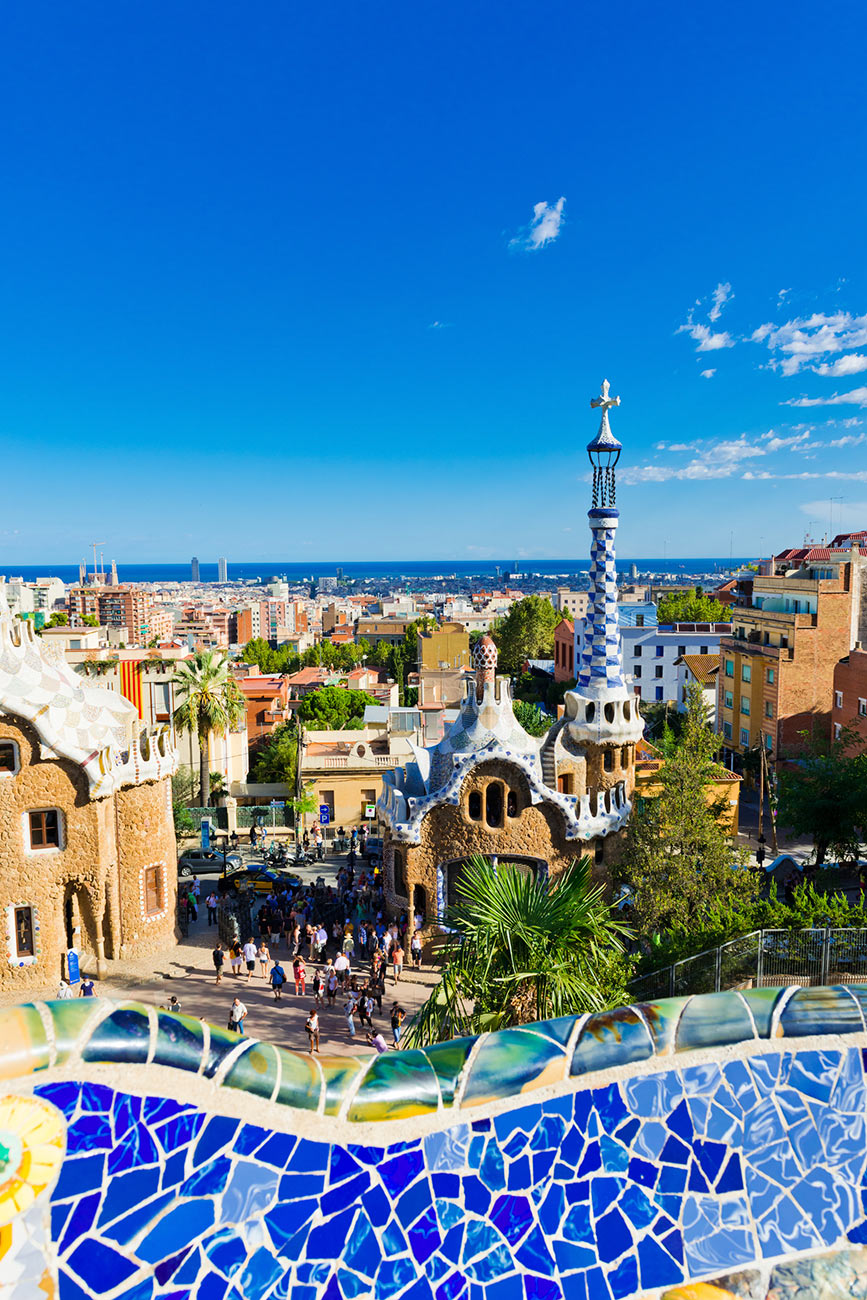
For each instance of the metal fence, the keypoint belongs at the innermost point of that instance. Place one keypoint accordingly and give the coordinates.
(763, 959)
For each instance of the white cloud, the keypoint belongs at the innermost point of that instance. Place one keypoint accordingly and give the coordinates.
(721, 295)
(794, 442)
(801, 341)
(782, 293)
(543, 229)
(855, 397)
(439, 325)
(708, 374)
(848, 440)
(852, 364)
(705, 337)
(716, 460)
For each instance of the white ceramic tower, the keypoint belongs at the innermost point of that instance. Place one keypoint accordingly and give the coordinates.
(601, 710)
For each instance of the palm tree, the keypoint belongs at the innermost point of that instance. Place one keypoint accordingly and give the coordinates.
(521, 949)
(210, 703)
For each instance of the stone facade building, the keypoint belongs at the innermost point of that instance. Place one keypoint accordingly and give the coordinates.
(490, 788)
(87, 845)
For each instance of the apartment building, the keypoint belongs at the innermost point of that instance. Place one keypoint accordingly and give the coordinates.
(849, 709)
(121, 606)
(778, 663)
(573, 603)
(443, 661)
(564, 651)
(650, 653)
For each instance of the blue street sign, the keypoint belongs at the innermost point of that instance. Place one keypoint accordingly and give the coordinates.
(278, 803)
(73, 972)
(206, 832)
(324, 814)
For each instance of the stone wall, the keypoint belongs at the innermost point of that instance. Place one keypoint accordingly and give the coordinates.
(676, 1144)
(76, 890)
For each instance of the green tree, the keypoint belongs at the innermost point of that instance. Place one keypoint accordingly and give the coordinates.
(58, 619)
(209, 703)
(89, 620)
(824, 795)
(333, 708)
(258, 652)
(531, 718)
(690, 607)
(678, 860)
(521, 949)
(526, 632)
(276, 759)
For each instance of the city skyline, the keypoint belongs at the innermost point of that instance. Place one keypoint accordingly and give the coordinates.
(328, 308)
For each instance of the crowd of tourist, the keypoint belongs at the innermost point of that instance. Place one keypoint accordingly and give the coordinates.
(340, 949)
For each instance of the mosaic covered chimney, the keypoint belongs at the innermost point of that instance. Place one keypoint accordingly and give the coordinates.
(601, 709)
(485, 664)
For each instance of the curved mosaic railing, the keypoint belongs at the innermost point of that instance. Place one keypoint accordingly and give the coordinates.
(147, 1155)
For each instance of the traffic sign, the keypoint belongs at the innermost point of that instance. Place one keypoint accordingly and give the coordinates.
(278, 803)
(370, 810)
(324, 814)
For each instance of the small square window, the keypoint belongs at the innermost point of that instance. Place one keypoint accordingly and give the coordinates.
(729, 700)
(8, 758)
(639, 620)
(152, 886)
(770, 676)
(769, 743)
(702, 649)
(862, 708)
(730, 667)
(769, 709)
(681, 649)
(660, 651)
(45, 829)
(727, 730)
(659, 692)
(637, 652)
(838, 699)
(745, 704)
(745, 736)
(658, 671)
(636, 672)
(746, 673)
(837, 729)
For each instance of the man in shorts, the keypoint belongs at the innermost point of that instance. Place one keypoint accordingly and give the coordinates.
(250, 951)
(237, 1016)
(218, 957)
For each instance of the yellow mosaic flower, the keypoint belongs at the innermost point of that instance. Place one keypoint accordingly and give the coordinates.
(32, 1146)
(699, 1291)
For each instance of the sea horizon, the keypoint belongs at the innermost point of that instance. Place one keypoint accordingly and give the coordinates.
(296, 571)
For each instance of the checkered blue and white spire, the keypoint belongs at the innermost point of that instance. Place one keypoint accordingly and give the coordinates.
(601, 664)
(602, 709)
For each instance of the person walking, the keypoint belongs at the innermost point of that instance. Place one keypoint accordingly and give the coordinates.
(318, 988)
(312, 1027)
(277, 980)
(397, 961)
(250, 951)
(211, 904)
(263, 956)
(349, 1012)
(173, 1005)
(300, 972)
(398, 1015)
(86, 990)
(237, 1016)
(341, 967)
(236, 957)
(191, 905)
(415, 950)
(377, 1041)
(218, 957)
(64, 992)
(331, 985)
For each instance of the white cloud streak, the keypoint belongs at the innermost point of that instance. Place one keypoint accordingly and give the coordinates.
(721, 295)
(543, 229)
(708, 374)
(800, 342)
(855, 397)
(724, 458)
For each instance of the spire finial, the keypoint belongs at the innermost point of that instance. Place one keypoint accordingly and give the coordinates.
(605, 401)
(604, 451)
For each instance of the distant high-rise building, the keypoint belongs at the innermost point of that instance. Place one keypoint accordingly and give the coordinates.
(633, 571)
(194, 566)
(327, 583)
(222, 570)
(339, 575)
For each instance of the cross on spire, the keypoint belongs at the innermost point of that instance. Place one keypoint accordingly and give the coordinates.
(605, 401)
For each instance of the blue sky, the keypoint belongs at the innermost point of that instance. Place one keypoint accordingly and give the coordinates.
(340, 280)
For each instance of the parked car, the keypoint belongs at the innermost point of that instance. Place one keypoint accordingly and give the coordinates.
(261, 880)
(373, 850)
(194, 862)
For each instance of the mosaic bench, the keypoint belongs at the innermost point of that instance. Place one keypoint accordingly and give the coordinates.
(640, 1152)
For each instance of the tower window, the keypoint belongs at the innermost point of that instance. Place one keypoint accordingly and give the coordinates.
(474, 805)
(8, 758)
(494, 804)
(44, 829)
(608, 760)
(599, 852)
(511, 804)
(624, 756)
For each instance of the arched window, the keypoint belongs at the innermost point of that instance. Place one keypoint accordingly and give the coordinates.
(511, 804)
(474, 805)
(494, 804)
(399, 874)
(624, 756)
(608, 760)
